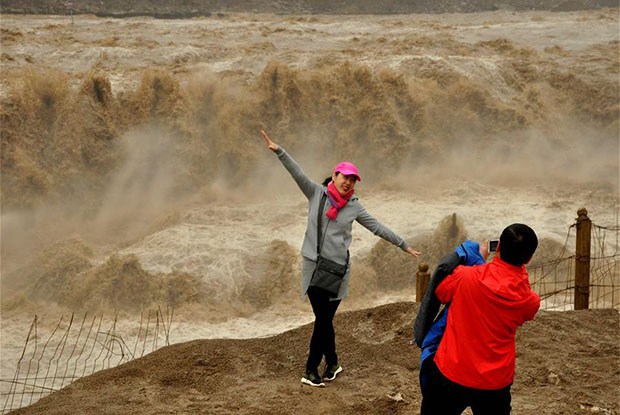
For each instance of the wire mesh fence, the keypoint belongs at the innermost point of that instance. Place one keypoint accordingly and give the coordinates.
(555, 281)
(77, 348)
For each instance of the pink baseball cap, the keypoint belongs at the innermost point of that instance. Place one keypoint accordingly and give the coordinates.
(347, 168)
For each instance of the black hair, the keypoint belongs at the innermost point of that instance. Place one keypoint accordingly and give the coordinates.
(517, 244)
(327, 180)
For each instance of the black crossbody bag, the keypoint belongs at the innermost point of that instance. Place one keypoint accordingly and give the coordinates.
(327, 274)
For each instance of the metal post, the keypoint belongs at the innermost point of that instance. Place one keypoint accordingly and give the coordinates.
(582, 260)
(423, 279)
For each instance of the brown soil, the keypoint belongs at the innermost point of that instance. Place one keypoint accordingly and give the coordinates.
(567, 363)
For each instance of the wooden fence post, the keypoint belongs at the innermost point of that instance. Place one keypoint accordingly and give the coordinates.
(423, 278)
(582, 260)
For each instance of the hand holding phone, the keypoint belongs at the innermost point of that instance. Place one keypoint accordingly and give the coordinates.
(493, 243)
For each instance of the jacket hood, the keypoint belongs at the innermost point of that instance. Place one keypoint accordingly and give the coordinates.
(469, 253)
(509, 283)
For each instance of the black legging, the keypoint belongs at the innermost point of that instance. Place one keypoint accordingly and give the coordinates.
(323, 341)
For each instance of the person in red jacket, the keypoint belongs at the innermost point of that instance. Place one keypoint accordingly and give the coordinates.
(475, 362)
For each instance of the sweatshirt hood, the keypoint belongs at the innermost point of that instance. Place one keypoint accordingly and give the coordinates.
(509, 283)
(469, 253)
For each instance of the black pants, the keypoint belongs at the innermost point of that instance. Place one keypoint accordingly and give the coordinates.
(323, 341)
(441, 396)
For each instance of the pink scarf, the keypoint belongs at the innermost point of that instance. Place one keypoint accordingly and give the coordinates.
(337, 201)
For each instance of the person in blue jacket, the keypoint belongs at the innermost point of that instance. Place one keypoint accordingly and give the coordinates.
(430, 326)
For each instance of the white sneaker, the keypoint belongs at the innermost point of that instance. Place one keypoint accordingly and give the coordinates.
(312, 379)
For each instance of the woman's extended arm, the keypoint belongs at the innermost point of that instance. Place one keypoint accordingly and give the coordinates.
(373, 225)
(307, 186)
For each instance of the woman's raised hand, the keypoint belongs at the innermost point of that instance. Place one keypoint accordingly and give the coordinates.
(413, 252)
(270, 144)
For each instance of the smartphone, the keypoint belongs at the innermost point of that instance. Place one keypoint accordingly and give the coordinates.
(493, 245)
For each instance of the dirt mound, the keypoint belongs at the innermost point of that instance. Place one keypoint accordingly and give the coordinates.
(566, 363)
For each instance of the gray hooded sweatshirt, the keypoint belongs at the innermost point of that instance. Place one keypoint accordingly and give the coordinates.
(335, 234)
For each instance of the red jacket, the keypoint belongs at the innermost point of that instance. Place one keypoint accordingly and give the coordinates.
(488, 303)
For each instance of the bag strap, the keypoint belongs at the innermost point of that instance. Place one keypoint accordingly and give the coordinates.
(319, 223)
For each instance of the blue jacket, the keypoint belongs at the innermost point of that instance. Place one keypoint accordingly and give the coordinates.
(428, 329)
